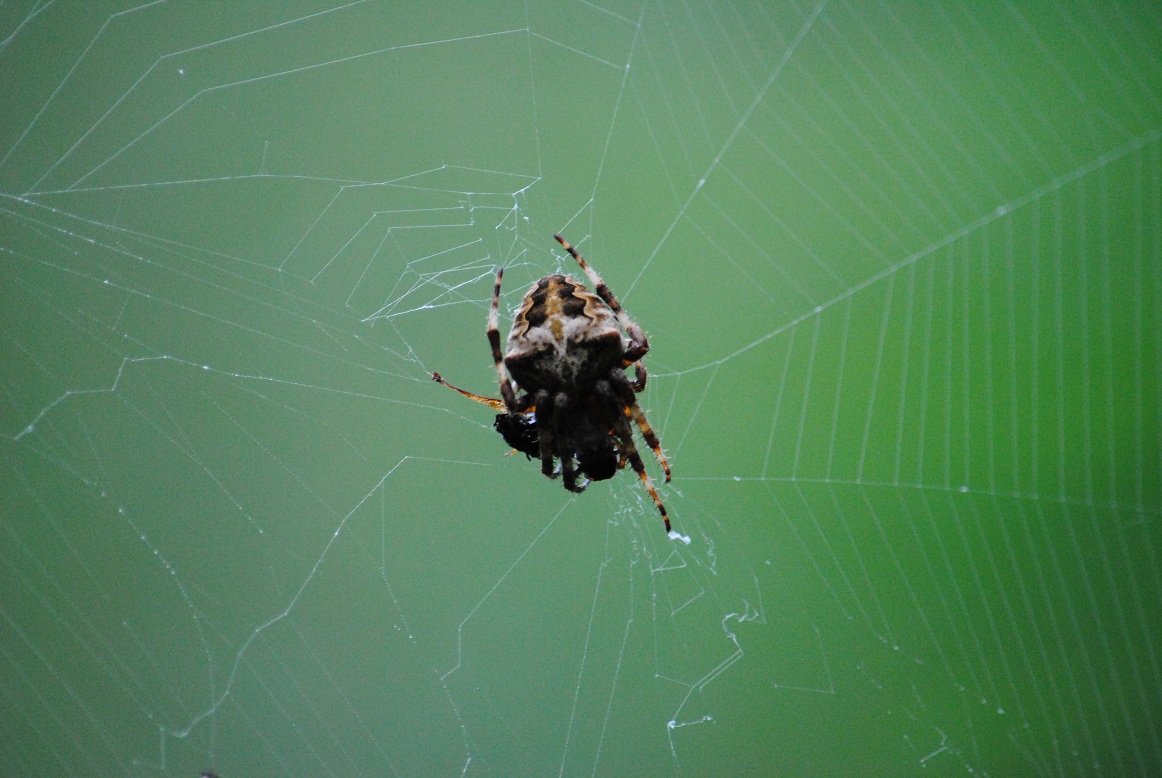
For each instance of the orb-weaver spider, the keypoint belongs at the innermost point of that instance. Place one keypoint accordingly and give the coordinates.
(568, 353)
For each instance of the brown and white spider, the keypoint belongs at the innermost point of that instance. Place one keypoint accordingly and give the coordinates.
(568, 352)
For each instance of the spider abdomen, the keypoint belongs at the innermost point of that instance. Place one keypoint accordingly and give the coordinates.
(563, 336)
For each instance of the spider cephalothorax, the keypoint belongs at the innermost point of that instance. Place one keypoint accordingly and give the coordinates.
(568, 352)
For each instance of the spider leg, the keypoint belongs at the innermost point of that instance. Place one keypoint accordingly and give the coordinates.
(491, 402)
(570, 474)
(620, 394)
(633, 412)
(506, 391)
(638, 415)
(598, 284)
(639, 346)
(621, 458)
(560, 419)
(639, 382)
(626, 436)
(545, 425)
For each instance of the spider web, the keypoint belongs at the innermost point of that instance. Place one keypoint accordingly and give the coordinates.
(901, 267)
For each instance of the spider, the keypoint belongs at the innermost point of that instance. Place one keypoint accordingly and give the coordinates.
(568, 351)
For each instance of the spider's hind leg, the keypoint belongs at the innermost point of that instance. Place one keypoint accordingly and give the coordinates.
(639, 345)
(506, 391)
(598, 284)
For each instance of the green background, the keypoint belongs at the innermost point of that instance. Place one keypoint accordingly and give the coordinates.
(901, 268)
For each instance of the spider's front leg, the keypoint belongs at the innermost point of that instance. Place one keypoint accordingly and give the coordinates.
(634, 413)
(639, 382)
(565, 443)
(624, 434)
(639, 345)
(545, 424)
